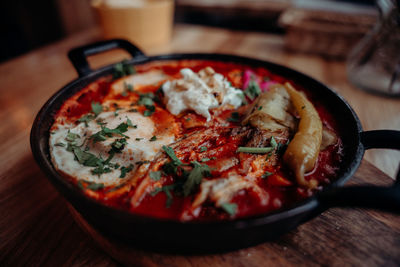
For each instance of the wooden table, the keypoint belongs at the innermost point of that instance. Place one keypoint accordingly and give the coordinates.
(37, 229)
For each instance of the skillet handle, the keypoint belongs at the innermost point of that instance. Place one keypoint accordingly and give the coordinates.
(375, 197)
(78, 56)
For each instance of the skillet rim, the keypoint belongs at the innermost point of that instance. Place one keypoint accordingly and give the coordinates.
(74, 195)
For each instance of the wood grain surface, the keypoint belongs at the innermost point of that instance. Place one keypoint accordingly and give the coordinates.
(337, 237)
(37, 229)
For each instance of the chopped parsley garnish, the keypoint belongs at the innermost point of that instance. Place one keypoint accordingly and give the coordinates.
(100, 170)
(60, 144)
(122, 69)
(234, 117)
(133, 110)
(142, 162)
(281, 148)
(203, 149)
(86, 158)
(255, 150)
(195, 176)
(97, 108)
(95, 186)
(90, 185)
(170, 152)
(130, 124)
(71, 137)
(138, 139)
(86, 119)
(148, 113)
(259, 108)
(243, 98)
(253, 90)
(148, 100)
(155, 176)
(116, 112)
(229, 208)
(127, 88)
(266, 174)
(154, 138)
(273, 142)
(167, 190)
(205, 159)
(100, 122)
(118, 145)
(125, 170)
(145, 101)
(80, 185)
(107, 132)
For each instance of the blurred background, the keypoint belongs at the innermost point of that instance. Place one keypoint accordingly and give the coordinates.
(27, 25)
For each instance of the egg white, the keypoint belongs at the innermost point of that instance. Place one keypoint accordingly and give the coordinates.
(139, 147)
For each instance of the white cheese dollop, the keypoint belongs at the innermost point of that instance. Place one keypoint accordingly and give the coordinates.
(200, 92)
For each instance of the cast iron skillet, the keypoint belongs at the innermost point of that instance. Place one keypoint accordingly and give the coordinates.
(169, 235)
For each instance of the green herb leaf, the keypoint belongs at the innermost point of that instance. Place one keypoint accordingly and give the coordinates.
(96, 108)
(254, 150)
(142, 162)
(273, 142)
(167, 190)
(203, 149)
(155, 176)
(205, 159)
(253, 90)
(195, 176)
(130, 124)
(107, 132)
(154, 138)
(60, 144)
(100, 170)
(243, 98)
(118, 145)
(86, 119)
(80, 185)
(127, 88)
(234, 117)
(145, 101)
(133, 110)
(138, 139)
(266, 174)
(125, 170)
(229, 208)
(71, 137)
(95, 186)
(147, 113)
(86, 158)
(170, 152)
(123, 69)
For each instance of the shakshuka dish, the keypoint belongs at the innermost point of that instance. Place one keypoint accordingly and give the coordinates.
(195, 140)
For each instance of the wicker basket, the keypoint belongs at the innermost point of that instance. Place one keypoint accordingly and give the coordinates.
(322, 32)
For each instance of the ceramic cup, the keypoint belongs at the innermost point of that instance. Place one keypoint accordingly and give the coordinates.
(146, 23)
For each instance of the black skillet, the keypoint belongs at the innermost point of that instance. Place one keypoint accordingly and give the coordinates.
(169, 235)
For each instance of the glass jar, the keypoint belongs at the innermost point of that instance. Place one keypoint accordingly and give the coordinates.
(374, 63)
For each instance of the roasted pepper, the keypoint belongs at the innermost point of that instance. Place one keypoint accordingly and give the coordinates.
(302, 152)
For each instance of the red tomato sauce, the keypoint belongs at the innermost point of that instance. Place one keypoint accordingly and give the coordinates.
(281, 185)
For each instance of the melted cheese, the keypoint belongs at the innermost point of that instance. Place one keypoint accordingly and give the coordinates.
(200, 92)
